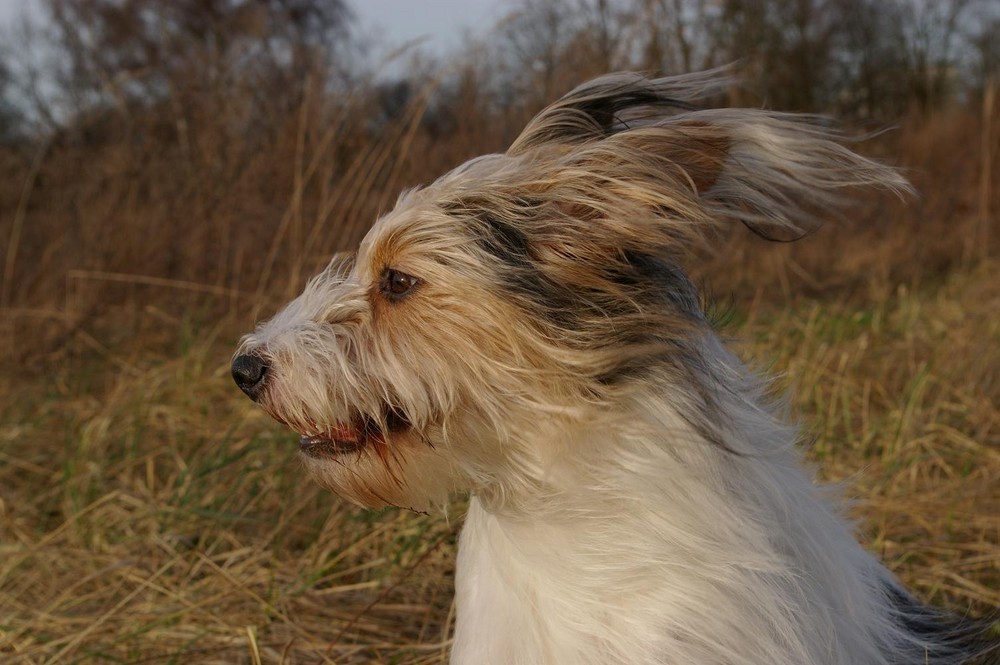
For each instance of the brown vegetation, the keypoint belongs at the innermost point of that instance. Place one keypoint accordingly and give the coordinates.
(185, 181)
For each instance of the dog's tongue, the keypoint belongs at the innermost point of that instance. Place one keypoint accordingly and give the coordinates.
(337, 440)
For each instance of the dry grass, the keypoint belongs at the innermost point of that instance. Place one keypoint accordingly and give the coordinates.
(151, 514)
(900, 397)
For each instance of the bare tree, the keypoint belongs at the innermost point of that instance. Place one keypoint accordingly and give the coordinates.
(784, 44)
(986, 52)
(11, 116)
(125, 52)
(603, 29)
(535, 36)
(929, 40)
(677, 37)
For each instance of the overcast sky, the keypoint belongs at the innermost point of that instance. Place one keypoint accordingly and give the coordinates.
(442, 22)
(11, 8)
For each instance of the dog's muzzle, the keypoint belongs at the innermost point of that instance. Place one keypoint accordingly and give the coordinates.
(250, 374)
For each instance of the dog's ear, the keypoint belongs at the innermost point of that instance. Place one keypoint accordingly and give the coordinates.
(768, 170)
(613, 103)
(643, 140)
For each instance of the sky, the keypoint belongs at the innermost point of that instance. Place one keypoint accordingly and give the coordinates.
(442, 23)
(10, 9)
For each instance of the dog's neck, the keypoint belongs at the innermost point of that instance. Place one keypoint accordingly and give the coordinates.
(650, 544)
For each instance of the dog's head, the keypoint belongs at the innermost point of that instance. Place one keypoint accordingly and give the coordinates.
(521, 295)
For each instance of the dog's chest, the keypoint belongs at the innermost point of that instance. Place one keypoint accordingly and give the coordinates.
(515, 607)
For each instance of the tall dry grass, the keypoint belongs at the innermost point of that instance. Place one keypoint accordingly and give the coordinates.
(217, 224)
(149, 513)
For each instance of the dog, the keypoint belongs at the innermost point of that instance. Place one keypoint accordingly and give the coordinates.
(521, 330)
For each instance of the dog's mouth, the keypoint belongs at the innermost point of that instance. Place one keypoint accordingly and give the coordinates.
(353, 435)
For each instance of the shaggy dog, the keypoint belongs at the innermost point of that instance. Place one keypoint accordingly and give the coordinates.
(521, 329)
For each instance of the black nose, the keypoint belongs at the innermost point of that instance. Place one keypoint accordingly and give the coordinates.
(250, 374)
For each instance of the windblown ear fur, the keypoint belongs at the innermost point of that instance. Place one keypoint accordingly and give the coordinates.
(613, 103)
(646, 136)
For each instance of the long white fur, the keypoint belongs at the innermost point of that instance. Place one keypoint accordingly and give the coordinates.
(670, 551)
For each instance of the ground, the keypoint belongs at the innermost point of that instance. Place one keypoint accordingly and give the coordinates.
(150, 513)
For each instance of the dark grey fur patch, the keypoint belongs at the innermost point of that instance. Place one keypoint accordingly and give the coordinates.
(636, 312)
(599, 317)
(610, 107)
(950, 639)
(668, 281)
(504, 241)
(605, 109)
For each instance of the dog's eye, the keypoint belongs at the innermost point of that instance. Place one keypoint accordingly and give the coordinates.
(396, 284)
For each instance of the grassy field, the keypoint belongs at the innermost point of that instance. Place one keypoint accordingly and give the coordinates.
(150, 513)
(184, 167)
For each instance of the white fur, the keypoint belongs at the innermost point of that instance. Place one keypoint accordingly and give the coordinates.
(649, 545)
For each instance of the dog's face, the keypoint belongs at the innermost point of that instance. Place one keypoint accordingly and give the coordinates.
(527, 294)
(390, 356)
(467, 322)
